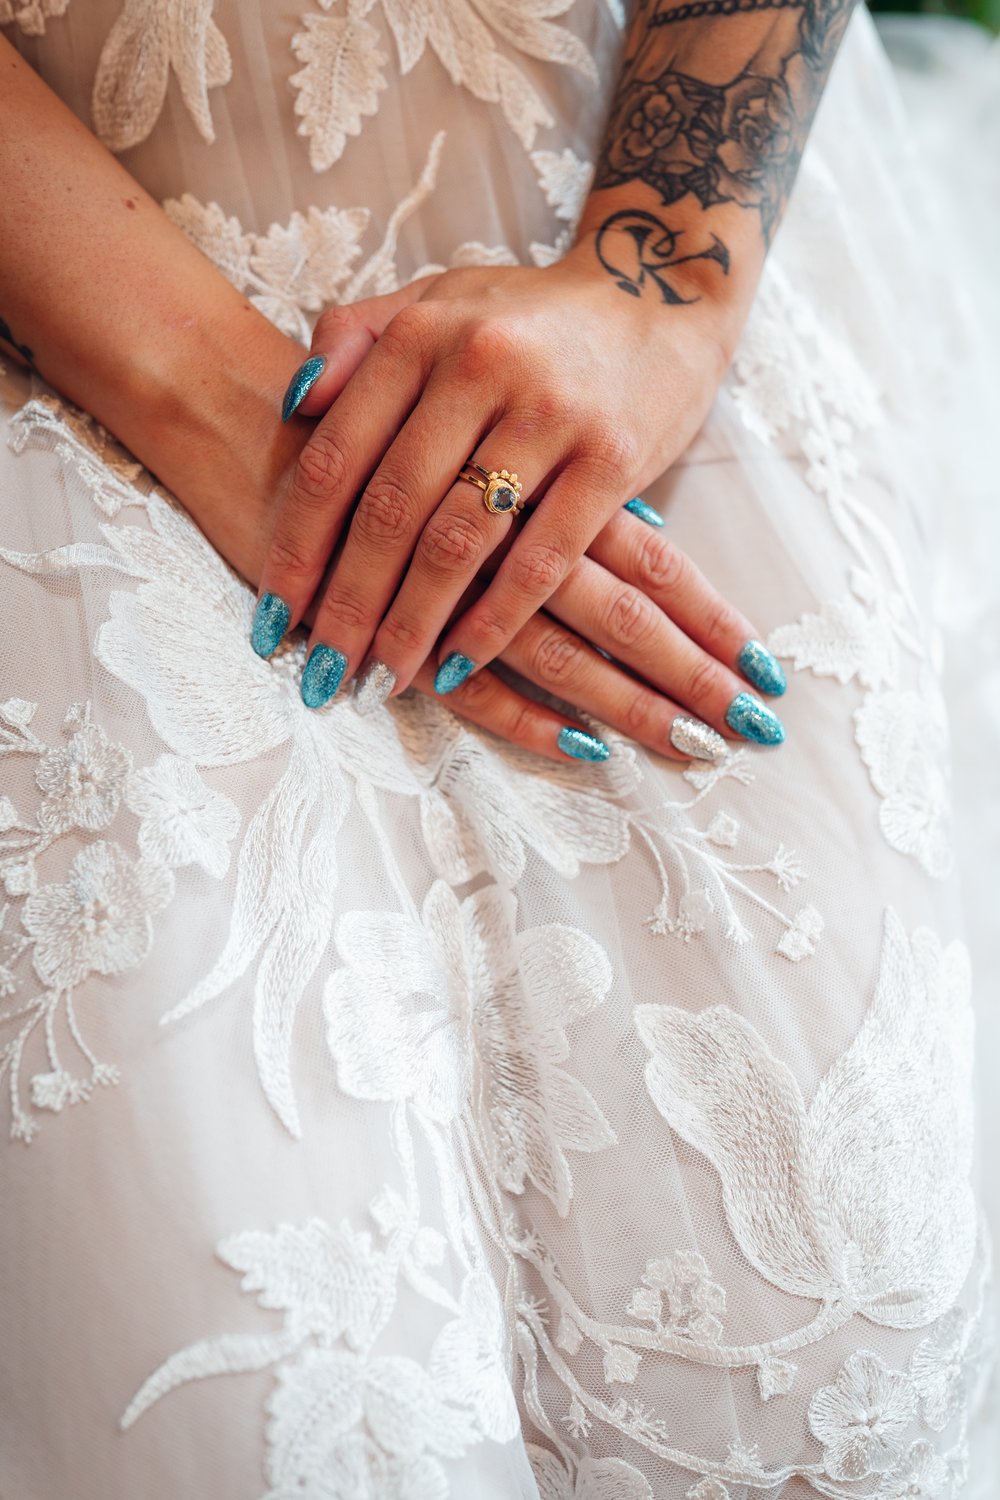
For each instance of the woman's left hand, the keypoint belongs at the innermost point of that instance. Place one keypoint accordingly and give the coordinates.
(587, 394)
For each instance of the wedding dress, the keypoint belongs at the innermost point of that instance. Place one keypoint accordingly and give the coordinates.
(393, 1114)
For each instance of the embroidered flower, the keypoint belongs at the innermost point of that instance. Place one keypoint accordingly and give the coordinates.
(8, 814)
(678, 1294)
(422, 1011)
(799, 939)
(861, 1418)
(51, 1090)
(621, 1364)
(184, 822)
(775, 1377)
(863, 1197)
(99, 921)
(723, 830)
(569, 1478)
(707, 1489)
(938, 1369)
(921, 1474)
(82, 782)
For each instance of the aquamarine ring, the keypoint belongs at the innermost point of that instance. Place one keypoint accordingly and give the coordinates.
(501, 488)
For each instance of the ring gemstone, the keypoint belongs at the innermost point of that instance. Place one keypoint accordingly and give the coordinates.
(500, 496)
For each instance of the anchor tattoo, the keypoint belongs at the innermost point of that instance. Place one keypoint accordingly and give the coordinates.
(655, 248)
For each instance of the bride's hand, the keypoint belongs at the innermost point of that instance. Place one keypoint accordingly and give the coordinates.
(552, 372)
(633, 597)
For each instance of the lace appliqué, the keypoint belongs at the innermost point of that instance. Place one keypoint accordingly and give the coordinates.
(31, 15)
(97, 920)
(791, 373)
(150, 39)
(299, 268)
(343, 1419)
(816, 1211)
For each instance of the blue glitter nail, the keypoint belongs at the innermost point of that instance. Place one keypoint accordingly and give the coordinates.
(301, 384)
(754, 721)
(322, 675)
(270, 621)
(452, 672)
(757, 663)
(582, 746)
(643, 511)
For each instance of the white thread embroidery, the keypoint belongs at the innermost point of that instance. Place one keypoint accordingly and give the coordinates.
(149, 39)
(31, 15)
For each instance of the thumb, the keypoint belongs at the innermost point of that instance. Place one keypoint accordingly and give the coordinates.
(341, 339)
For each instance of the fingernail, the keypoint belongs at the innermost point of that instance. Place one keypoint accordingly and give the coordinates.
(322, 675)
(270, 621)
(692, 737)
(643, 511)
(582, 746)
(763, 670)
(750, 718)
(301, 384)
(373, 686)
(452, 672)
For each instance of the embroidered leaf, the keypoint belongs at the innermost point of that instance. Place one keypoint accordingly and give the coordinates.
(339, 83)
(226, 1354)
(844, 640)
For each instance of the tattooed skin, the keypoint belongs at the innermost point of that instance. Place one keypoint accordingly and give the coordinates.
(737, 141)
(22, 349)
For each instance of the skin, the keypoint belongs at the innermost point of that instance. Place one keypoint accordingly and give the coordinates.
(112, 305)
(707, 124)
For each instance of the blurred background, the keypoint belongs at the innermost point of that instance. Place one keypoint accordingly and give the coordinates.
(985, 12)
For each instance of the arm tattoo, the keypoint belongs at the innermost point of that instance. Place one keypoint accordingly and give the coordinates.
(736, 142)
(6, 336)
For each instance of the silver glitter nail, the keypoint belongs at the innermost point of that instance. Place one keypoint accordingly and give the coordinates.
(373, 686)
(692, 737)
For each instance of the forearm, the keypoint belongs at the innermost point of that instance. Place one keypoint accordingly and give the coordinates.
(112, 304)
(708, 122)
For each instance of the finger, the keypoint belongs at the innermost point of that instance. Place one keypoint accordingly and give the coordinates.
(397, 513)
(330, 471)
(552, 657)
(649, 559)
(473, 519)
(494, 705)
(340, 340)
(554, 535)
(621, 620)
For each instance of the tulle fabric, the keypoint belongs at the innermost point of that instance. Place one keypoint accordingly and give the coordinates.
(581, 921)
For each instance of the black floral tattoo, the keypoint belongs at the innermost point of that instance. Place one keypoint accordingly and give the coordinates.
(737, 142)
(7, 337)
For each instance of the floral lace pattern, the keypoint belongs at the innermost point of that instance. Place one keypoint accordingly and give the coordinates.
(793, 374)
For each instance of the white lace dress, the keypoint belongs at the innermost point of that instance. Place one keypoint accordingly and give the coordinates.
(392, 1114)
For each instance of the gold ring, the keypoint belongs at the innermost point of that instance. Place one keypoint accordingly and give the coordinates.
(501, 488)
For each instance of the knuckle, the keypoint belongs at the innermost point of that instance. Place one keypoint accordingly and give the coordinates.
(520, 722)
(385, 513)
(485, 632)
(449, 543)
(477, 692)
(345, 612)
(401, 633)
(332, 323)
(406, 334)
(629, 617)
(721, 620)
(661, 566)
(702, 681)
(611, 450)
(485, 350)
(634, 715)
(289, 559)
(558, 657)
(320, 472)
(536, 570)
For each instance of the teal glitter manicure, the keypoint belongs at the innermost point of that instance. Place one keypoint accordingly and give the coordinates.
(750, 718)
(301, 384)
(643, 511)
(270, 621)
(452, 672)
(763, 670)
(322, 675)
(581, 746)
